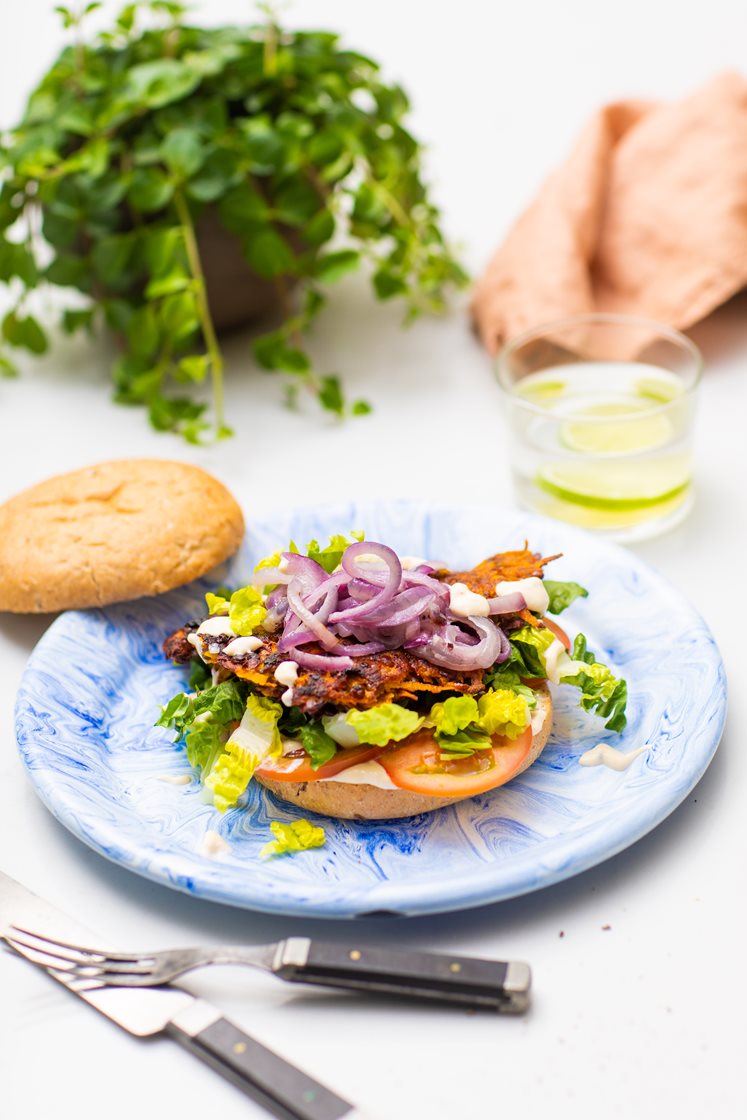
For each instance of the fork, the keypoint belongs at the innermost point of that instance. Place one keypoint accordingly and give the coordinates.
(497, 985)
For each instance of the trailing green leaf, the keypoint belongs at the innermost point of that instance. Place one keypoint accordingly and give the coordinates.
(562, 594)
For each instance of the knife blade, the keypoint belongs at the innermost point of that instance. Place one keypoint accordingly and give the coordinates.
(194, 1023)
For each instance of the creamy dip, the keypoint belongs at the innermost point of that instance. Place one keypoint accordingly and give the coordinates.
(605, 755)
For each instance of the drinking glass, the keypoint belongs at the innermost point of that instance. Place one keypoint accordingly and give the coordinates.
(600, 415)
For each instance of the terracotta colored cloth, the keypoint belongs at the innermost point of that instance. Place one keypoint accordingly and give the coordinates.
(648, 216)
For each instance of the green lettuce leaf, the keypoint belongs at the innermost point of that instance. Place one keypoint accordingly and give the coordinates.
(463, 743)
(230, 774)
(464, 725)
(503, 712)
(216, 604)
(298, 836)
(454, 715)
(330, 556)
(274, 559)
(246, 611)
(528, 647)
(176, 713)
(256, 738)
(204, 741)
(319, 746)
(384, 723)
(504, 677)
(202, 719)
(200, 675)
(601, 692)
(291, 722)
(225, 702)
(562, 594)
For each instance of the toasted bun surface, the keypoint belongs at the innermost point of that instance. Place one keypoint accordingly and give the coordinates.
(114, 531)
(369, 803)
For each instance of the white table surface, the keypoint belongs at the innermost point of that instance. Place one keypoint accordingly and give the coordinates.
(641, 1018)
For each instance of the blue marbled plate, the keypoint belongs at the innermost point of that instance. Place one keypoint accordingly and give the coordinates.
(93, 685)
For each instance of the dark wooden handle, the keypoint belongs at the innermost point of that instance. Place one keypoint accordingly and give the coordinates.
(499, 985)
(271, 1081)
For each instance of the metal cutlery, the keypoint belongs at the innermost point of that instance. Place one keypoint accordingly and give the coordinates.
(496, 985)
(278, 1086)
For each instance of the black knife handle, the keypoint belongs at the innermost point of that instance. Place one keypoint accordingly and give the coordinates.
(498, 985)
(282, 1089)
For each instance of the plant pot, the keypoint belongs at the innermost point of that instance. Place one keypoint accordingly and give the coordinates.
(236, 295)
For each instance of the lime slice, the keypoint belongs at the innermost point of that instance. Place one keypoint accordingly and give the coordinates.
(616, 428)
(617, 485)
(541, 391)
(658, 389)
(613, 520)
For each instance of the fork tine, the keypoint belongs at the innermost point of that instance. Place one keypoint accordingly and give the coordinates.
(79, 953)
(129, 979)
(140, 967)
(64, 950)
(47, 949)
(39, 956)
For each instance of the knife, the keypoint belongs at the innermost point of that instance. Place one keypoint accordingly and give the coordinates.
(194, 1023)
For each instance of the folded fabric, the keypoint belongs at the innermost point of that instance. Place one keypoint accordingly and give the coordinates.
(648, 216)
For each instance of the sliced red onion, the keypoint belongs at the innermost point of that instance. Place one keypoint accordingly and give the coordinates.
(321, 661)
(441, 590)
(448, 651)
(363, 609)
(391, 578)
(296, 638)
(277, 607)
(307, 571)
(361, 590)
(507, 604)
(360, 649)
(404, 607)
(314, 621)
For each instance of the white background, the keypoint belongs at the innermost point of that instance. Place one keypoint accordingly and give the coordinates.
(642, 1019)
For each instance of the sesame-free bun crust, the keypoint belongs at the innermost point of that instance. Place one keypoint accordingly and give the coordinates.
(369, 803)
(114, 531)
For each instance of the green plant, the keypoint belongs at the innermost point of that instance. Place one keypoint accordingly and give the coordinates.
(293, 142)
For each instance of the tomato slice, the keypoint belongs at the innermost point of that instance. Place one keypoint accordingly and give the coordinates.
(417, 766)
(297, 768)
(559, 633)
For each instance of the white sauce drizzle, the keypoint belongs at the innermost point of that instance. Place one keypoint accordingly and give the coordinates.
(538, 718)
(195, 641)
(465, 603)
(213, 845)
(558, 664)
(532, 588)
(605, 755)
(286, 673)
(239, 646)
(217, 625)
(370, 773)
